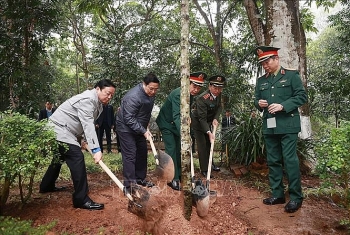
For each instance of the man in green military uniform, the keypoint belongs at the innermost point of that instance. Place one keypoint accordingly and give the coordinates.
(205, 113)
(278, 94)
(168, 121)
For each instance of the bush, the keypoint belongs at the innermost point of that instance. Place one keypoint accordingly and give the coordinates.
(12, 226)
(24, 145)
(245, 141)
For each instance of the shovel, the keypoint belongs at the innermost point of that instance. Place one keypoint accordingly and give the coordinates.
(203, 202)
(199, 193)
(164, 163)
(138, 192)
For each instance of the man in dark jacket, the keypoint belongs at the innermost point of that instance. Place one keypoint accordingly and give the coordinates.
(205, 113)
(47, 111)
(132, 120)
(104, 124)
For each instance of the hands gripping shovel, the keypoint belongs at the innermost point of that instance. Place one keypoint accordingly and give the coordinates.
(202, 196)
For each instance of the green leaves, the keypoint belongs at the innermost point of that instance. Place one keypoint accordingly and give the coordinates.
(24, 145)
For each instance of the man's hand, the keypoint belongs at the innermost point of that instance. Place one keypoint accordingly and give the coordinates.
(263, 103)
(97, 157)
(273, 108)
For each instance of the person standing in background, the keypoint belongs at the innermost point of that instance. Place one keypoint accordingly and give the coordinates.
(132, 120)
(104, 124)
(47, 111)
(278, 94)
(168, 121)
(227, 122)
(205, 113)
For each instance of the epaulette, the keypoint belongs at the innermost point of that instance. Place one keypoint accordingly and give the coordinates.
(290, 69)
(206, 96)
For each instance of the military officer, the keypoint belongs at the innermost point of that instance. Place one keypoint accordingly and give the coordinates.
(205, 113)
(278, 94)
(168, 122)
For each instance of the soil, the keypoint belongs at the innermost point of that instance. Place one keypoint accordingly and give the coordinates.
(238, 209)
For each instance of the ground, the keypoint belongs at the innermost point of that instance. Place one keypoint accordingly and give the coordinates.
(238, 209)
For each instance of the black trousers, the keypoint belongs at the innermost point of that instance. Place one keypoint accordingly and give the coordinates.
(74, 158)
(134, 155)
(100, 131)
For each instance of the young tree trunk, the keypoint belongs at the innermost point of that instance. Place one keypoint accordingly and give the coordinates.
(283, 29)
(185, 110)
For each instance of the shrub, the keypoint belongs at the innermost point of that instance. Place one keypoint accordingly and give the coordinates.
(24, 145)
(245, 140)
(12, 226)
(333, 153)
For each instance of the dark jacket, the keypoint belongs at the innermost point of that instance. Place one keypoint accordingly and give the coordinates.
(43, 114)
(135, 111)
(204, 110)
(107, 115)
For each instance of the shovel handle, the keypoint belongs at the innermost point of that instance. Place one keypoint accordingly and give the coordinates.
(150, 139)
(113, 177)
(192, 170)
(211, 154)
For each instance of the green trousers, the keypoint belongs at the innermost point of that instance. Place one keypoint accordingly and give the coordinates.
(281, 152)
(172, 144)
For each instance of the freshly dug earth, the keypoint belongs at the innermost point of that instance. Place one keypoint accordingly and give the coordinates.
(238, 210)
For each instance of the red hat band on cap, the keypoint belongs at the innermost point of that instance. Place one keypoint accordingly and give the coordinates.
(197, 79)
(265, 54)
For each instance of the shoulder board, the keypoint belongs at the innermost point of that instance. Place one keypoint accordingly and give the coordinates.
(290, 69)
(206, 96)
(264, 76)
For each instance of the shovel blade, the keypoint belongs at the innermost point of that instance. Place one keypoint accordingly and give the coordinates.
(165, 169)
(201, 198)
(140, 199)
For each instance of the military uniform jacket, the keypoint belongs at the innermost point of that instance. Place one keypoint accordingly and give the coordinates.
(285, 89)
(169, 114)
(76, 116)
(204, 110)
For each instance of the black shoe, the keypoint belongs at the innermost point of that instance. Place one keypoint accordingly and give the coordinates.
(274, 201)
(127, 190)
(292, 206)
(90, 205)
(174, 184)
(215, 168)
(55, 189)
(145, 183)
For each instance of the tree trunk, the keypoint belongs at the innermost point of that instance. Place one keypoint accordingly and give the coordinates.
(185, 110)
(284, 30)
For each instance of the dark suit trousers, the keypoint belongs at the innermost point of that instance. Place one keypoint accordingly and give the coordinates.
(76, 163)
(134, 155)
(104, 128)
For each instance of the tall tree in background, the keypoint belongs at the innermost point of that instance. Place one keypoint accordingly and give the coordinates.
(277, 23)
(25, 74)
(185, 109)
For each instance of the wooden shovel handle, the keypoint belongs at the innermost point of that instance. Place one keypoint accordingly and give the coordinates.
(211, 154)
(150, 139)
(113, 177)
